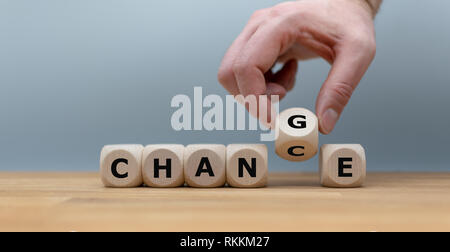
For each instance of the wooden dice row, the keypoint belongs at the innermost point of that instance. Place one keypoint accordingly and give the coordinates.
(340, 165)
(238, 165)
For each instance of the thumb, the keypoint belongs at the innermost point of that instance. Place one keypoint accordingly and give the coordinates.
(347, 71)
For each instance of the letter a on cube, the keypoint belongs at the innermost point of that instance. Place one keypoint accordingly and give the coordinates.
(204, 165)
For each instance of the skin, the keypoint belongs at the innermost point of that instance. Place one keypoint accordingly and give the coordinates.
(339, 31)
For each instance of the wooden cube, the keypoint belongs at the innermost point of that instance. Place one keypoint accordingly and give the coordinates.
(204, 165)
(342, 165)
(120, 165)
(297, 134)
(247, 165)
(162, 165)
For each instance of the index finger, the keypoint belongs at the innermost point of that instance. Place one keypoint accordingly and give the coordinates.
(226, 76)
(258, 56)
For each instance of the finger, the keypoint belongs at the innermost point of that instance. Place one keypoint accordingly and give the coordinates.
(255, 59)
(286, 76)
(258, 56)
(225, 75)
(351, 62)
(262, 107)
(299, 51)
(276, 89)
(268, 75)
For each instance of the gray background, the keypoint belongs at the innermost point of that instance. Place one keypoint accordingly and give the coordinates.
(75, 75)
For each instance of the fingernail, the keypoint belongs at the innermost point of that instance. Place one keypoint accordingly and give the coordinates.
(328, 120)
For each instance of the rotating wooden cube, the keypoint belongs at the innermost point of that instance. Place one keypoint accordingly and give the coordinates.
(298, 134)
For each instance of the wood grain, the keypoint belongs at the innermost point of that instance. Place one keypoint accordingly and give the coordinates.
(291, 202)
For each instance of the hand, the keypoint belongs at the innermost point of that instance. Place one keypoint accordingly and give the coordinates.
(339, 31)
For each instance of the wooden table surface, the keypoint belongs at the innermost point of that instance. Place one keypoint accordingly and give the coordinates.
(292, 202)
